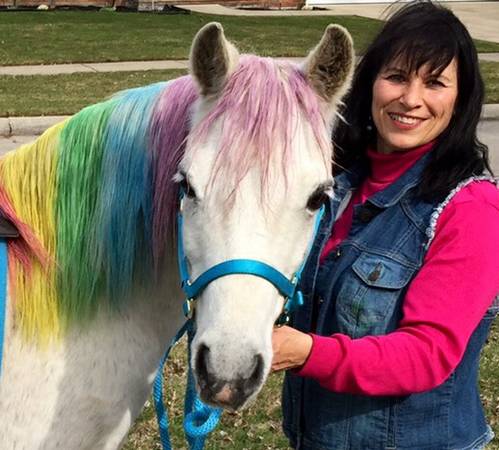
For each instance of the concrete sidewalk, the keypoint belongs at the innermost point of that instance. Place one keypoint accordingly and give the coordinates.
(131, 66)
(125, 66)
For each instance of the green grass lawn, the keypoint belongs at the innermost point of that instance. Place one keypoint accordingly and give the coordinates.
(67, 94)
(259, 427)
(71, 36)
(490, 73)
(489, 385)
(76, 36)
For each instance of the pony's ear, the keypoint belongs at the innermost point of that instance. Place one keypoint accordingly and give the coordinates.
(329, 66)
(212, 59)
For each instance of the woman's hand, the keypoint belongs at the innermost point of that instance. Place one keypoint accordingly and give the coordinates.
(291, 348)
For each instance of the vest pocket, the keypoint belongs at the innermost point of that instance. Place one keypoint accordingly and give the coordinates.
(369, 293)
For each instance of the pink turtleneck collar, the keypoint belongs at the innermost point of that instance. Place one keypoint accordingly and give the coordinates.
(386, 168)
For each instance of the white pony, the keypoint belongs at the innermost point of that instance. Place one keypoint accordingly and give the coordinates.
(93, 294)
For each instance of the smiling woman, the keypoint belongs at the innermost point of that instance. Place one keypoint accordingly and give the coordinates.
(411, 109)
(400, 286)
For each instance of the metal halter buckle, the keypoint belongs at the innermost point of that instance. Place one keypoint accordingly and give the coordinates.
(188, 307)
(283, 319)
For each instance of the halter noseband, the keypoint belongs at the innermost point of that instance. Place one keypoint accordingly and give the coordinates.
(293, 298)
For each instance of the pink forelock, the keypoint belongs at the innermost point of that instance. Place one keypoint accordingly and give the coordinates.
(259, 109)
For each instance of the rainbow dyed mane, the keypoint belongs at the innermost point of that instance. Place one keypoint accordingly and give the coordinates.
(94, 197)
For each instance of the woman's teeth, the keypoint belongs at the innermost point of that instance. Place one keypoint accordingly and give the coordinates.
(404, 119)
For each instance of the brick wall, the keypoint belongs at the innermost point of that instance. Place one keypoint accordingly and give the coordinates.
(146, 5)
(55, 3)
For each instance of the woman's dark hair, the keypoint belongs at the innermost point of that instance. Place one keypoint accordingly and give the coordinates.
(420, 33)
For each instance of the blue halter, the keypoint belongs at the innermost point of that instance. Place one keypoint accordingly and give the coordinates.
(285, 286)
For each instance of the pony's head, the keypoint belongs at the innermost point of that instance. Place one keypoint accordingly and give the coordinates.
(256, 169)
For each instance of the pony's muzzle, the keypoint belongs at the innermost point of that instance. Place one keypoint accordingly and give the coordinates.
(230, 394)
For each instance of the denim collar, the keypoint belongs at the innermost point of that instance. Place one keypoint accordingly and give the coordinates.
(351, 179)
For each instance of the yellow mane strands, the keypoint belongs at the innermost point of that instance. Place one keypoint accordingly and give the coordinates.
(34, 288)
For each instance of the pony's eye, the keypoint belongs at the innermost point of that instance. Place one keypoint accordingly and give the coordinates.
(318, 198)
(187, 188)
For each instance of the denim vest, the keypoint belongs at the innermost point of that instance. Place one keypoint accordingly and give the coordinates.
(358, 291)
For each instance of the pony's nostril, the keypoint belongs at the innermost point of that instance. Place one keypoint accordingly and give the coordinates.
(257, 374)
(201, 368)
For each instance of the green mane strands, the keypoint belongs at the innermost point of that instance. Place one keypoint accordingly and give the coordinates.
(79, 181)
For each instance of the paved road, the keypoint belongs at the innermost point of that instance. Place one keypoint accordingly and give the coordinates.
(488, 133)
(13, 142)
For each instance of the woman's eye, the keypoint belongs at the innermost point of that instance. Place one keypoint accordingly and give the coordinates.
(187, 189)
(396, 78)
(317, 199)
(435, 83)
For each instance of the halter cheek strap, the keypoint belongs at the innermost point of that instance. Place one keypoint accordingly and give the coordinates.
(286, 286)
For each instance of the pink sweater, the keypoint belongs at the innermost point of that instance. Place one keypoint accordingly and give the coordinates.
(443, 305)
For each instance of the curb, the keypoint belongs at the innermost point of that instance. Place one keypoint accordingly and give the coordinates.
(103, 67)
(27, 126)
(33, 126)
(490, 112)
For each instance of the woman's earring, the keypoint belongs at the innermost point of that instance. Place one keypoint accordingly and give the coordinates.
(369, 126)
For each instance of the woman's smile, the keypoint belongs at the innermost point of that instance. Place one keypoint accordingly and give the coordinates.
(405, 122)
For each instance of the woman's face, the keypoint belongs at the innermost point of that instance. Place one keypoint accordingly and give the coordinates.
(412, 109)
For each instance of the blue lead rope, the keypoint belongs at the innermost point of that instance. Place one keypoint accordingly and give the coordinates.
(200, 419)
(3, 294)
(161, 414)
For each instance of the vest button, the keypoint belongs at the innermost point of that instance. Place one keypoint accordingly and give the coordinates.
(365, 215)
(374, 275)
